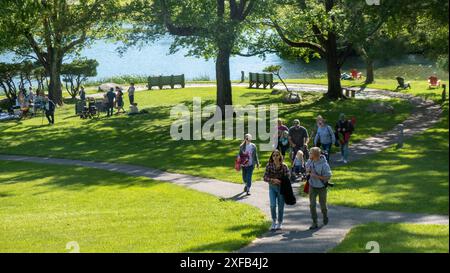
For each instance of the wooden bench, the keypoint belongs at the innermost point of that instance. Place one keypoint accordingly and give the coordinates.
(264, 79)
(161, 81)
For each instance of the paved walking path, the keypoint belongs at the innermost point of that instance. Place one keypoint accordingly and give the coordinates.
(295, 236)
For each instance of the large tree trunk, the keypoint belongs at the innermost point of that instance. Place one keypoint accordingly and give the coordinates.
(370, 77)
(224, 91)
(55, 87)
(333, 68)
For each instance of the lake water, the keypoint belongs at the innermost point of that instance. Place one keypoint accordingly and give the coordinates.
(154, 59)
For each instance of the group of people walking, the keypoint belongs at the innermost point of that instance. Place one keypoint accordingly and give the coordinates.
(313, 164)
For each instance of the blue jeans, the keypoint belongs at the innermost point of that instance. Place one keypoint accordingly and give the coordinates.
(247, 173)
(276, 198)
(344, 151)
(327, 147)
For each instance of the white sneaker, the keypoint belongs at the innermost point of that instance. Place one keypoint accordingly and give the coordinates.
(278, 226)
(345, 161)
(274, 226)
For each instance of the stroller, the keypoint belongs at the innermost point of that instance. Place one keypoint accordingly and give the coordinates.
(90, 110)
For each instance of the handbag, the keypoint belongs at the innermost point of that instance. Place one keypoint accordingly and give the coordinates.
(237, 164)
(306, 188)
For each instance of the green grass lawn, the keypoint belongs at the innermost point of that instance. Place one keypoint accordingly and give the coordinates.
(412, 179)
(43, 207)
(396, 238)
(145, 139)
(418, 88)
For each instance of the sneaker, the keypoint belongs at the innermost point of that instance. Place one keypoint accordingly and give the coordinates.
(273, 227)
(325, 220)
(345, 161)
(278, 226)
(313, 226)
(248, 193)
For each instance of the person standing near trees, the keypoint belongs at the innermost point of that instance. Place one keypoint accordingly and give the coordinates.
(50, 111)
(82, 94)
(325, 137)
(110, 105)
(119, 100)
(248, 155)
(131, 91)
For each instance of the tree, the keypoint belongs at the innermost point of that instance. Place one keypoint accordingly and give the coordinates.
(275, 69)
(8, 73)
(49, 30)
(328, 29)
(76, 72)
(209, 29)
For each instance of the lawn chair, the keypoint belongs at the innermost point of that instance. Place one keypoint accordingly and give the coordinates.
(355, 74)
(402, 84)
(433, 82)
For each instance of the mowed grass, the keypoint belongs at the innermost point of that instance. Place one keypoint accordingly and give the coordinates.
(43, 207)
(396, 238)
(146, 140)
(418, 88)
(414, 178)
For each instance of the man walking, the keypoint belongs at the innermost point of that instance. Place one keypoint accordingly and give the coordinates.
(319, 173)
(110, 105)
(298, 139)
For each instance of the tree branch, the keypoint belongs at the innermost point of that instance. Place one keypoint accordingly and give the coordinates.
(300, 44)
(180, 30)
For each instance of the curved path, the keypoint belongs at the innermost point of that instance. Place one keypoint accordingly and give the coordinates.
(295, 236)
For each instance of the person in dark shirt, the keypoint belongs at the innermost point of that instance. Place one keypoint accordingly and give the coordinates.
(110, 105)
(82, 94)
(50, 111)
(298, 139)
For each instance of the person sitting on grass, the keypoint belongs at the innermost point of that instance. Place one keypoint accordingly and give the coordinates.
(133, 109)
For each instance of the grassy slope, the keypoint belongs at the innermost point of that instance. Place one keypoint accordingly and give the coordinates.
(145, 139)
(413, 179)
(397, 238)
(42, 207)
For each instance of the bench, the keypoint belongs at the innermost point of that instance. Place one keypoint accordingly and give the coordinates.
(264, 79)
(161, 81)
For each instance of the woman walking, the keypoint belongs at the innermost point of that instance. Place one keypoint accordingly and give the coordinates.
(325, 137)
(276, 171)
(248, 155)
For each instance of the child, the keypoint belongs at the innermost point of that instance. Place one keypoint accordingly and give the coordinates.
(299, 164)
